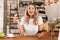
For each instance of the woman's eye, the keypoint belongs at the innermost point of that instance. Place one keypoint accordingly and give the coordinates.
(32, 8)
(29, 8)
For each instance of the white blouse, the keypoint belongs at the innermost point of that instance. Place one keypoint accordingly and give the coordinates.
(31, 29)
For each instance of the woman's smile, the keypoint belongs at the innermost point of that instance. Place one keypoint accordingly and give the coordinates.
(31, 10)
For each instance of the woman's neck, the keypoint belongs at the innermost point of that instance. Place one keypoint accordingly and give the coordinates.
(30, 16)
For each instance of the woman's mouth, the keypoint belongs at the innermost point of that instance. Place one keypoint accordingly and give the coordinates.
(30, 12)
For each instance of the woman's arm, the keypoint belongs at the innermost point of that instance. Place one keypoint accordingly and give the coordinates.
(41, 33)
(21, 30)
(20, 27)
(41, 28)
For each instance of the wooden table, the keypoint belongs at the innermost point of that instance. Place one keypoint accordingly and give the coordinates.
(47, 36)
(28, 38)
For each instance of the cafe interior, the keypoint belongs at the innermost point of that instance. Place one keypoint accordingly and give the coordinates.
(49, 10)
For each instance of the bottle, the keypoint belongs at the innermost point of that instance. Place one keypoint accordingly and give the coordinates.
(7, 29)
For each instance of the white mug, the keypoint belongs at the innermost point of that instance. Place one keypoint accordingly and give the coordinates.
(10, 35)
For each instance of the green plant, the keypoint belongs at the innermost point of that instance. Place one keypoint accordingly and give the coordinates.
(2, 34)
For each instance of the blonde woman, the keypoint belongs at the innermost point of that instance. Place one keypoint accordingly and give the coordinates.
(31, 23)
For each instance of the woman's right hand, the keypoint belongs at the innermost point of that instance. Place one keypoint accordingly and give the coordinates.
(16, 19)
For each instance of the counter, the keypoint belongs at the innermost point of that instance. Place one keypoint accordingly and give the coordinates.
(45, 37)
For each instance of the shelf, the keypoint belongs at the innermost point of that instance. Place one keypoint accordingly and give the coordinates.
(11, 17)
(13, 28)
(12, 23)
(13, 9)
(14, 31)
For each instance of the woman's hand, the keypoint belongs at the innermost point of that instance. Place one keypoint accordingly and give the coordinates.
(40, 34)
(16, 19)
(43, 27)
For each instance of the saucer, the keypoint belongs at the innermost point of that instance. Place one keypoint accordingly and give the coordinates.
(10, 36)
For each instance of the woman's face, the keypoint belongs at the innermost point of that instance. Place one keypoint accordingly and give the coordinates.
(31, 10)
(56, 0)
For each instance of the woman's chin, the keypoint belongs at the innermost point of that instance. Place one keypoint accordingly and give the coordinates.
(30, 14)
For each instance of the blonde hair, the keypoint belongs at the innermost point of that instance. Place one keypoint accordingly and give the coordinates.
(35, 16)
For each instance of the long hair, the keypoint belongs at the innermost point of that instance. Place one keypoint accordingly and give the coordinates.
(34, 16)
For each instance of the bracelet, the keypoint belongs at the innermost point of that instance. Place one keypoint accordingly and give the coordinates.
(42, 31)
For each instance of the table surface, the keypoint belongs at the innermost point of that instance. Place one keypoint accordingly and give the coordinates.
(47, 36)
(28, 38)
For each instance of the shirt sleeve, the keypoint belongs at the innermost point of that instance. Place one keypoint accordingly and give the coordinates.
(22, 21)
(40, 20)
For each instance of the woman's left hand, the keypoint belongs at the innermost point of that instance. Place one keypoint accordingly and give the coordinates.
(40, 35)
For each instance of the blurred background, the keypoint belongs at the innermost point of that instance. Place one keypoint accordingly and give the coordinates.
(48, 9)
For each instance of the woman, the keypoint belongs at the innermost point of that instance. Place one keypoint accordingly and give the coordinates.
(31, 23)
